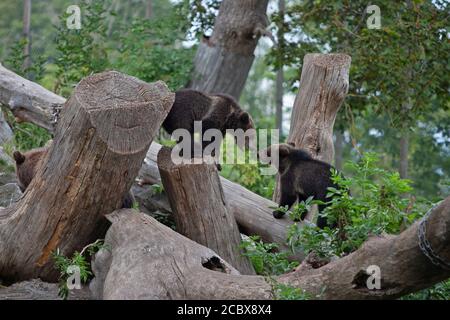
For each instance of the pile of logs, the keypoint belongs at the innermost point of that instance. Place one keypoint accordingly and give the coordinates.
(103, 140)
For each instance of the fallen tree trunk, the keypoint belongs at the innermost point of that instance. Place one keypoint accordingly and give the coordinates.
(100, 143)
(38, 290)
(323, 88)
(29, 101)
(200, 209)
(166, 265)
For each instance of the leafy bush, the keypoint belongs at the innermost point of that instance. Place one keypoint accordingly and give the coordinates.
(264, 257)
(81, 51)
(78, 259)
(376, 205)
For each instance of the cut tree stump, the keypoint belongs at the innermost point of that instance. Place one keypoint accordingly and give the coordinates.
(166, 265)
(101, 140)
(252, 212)
(200, 208)
(323, 87)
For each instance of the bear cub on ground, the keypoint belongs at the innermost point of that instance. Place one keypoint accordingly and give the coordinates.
(216, 111)
(301, 177)
(27, 164)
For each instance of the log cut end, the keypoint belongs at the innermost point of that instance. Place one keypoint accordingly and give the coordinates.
(331, 60)
(105, 96)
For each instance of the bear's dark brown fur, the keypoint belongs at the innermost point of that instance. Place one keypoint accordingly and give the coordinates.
(301, 177)
(218, 111)
(27, 164)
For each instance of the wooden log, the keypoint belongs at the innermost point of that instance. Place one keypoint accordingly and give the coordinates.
(166, 265)
(100, 143)
(252, 212)
(27, 100)
(200, 209)
(323, 87)
(38, 290)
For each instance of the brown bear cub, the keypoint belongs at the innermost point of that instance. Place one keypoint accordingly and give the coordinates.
(216, 111)
(27, 164)
(301, 177)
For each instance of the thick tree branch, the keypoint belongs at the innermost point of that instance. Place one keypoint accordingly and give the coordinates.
(27, 100)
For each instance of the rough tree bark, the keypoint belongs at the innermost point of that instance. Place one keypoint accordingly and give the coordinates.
(167, 265)
(100, 143)
(323, 87)
(200, 209)
(223, 61)
(27, 100)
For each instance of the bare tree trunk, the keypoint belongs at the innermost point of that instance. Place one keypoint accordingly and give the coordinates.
(279, 100)
(279, 92)
(404, 147)
(149, 9)
(26, 34)
(222, 62)
(99, 146)
(115, 6)
(323, 87)
(172, 266)
(200, 208)
(339, 150)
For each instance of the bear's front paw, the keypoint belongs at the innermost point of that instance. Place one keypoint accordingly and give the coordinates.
(278, 214)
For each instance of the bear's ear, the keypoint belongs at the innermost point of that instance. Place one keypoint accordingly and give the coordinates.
(244, 117)
(283, 150)
(19, 157)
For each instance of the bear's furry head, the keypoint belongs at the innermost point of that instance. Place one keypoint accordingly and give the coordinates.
(287, 154)
(27, 164)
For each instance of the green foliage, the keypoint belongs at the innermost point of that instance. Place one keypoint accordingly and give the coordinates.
(441, 291)
(285, 292)
(249, 176)
(403, 63)
(376, 205)
(201, 14)
(264, 257)
(152, 50)
(27, 135)
(78, 259)
(157, 188)
(81, 51)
